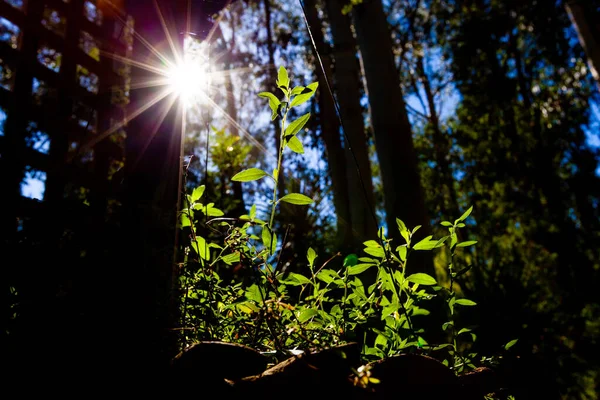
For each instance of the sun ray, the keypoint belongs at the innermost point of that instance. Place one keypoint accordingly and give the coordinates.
(164, 112)
(174, 49)
(101, 136)
(245, 133)
(132, 62)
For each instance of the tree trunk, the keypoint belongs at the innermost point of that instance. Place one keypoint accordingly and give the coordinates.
(330, 131)
(403, 194)
(586, 22)
(348, 90)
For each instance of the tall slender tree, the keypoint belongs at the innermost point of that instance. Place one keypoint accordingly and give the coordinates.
(348, 90)
(330, 132)
(403, 194)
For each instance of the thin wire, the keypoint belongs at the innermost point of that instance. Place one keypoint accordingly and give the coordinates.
(338, 114)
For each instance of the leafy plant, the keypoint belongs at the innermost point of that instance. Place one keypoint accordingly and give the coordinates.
(369, 299)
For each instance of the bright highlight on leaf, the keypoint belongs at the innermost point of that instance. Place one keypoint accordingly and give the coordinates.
(295, 145)
(421, 279)
(251, 174)
(305, 95)
(298, 124)
(283, 81)
(297, 199)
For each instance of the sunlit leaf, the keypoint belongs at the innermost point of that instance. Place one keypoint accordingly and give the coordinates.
(200, 247)
(375, 251)
(185, 220)
(269, 239)
(426, 244)
(421, 279)
(510, 344)
(306, 94)
(297, 90)
(402, 250)
(465, 302)
(197, 193)
(371, 243)
(465, 215)
(297, 198)
(255, 293)
(295, 145)
(359, 268)
(274, 103)
(283, 81)
(307, 314)
(251, 174)
(232, 258)
(310, 256)
(295, 126)
(467, 243)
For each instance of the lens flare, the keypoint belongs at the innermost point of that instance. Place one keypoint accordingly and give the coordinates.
(190, 78)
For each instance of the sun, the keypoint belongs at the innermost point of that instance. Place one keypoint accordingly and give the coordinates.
(190, 76)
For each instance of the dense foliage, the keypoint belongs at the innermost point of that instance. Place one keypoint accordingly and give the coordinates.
(504, 116)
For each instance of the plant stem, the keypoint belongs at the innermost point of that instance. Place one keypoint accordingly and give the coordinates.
(279, 157)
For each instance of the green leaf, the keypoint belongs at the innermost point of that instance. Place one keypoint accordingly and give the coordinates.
(248, 175)
(463, 330)
(325, 277)
(197, 193)
(297, 90)
(359, 268)
(255, 293)
(269, 240)
(283, 81)
(421, 279)
(310, 256)
(297, 198)
(403, 229)
(350, 260)
(426, 244)
(295, 145)
(447, 325)
(295, 126)
(465, 215)
(185, 220)
(247, 307)
(465, 302)
(402, 250)
(253, 211)
(371, 243)
(274, 103)
(510, 344)
(209, 210)
(375, 251)
(307, 314)
(306, 94)
(231, 259)
(301, 279)
(199, 246)
(446, 223)
(467, 243)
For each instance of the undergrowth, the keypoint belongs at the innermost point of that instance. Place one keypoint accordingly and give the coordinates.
(233, 291)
